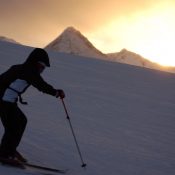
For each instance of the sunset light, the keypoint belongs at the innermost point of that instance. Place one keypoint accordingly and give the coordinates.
(146, 27)
(149, 33)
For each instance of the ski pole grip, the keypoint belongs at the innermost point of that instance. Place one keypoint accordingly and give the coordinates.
(65, 109)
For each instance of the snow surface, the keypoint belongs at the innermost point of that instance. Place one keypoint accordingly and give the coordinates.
(123, 117)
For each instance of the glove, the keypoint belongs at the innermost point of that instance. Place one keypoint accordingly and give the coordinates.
(60, 93)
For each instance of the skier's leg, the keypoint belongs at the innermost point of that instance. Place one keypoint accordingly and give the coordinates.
(14, 122)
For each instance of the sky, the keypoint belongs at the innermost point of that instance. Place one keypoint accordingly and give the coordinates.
(146, 27)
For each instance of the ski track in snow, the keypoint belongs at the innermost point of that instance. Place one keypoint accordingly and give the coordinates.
(123, 117)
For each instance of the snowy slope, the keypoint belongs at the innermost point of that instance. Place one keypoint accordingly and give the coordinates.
(123, 117)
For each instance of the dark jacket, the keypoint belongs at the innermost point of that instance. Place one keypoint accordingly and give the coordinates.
(27, 71)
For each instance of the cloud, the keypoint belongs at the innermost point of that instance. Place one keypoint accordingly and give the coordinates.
(86, 14)
(42, 19)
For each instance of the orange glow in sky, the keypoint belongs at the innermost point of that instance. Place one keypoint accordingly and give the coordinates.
(146, 27)
(150, 33)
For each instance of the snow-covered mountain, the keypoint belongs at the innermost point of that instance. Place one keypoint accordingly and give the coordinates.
(122, 115)
(73, 42)
(3, 38)
(128, 57)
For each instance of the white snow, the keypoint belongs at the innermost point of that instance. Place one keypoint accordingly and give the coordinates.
(123, 117)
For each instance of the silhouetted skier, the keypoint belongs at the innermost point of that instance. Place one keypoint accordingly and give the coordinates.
(13, 83)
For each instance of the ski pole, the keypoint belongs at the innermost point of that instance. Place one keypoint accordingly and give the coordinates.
(73, 133)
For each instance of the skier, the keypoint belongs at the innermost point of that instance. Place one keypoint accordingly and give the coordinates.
(13, 83)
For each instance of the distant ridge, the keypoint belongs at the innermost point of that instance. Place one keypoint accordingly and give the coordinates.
(3, 38)
(128, 57)
(72, 41)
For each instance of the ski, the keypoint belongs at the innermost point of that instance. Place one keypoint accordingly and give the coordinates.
(31, 167)
(34, 166)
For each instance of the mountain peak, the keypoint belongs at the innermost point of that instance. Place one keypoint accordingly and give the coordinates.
(70, 29)
(72, 41)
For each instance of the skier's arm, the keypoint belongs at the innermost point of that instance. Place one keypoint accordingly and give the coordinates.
(38, 82)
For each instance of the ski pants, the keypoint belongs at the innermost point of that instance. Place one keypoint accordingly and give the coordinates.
(14, 122)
